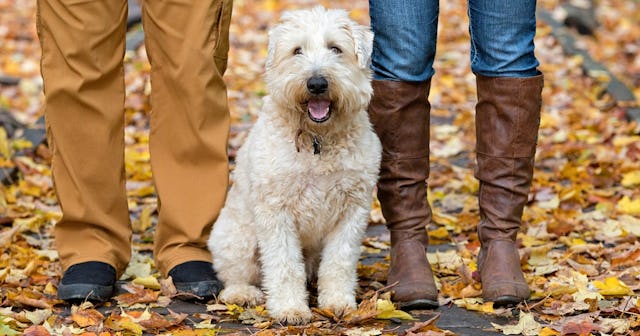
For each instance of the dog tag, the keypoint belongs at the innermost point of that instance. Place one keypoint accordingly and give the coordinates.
(316, 145)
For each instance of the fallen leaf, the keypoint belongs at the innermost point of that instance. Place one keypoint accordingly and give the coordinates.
(87, 317)
(631, 179)
(136, 294)
(612, 286)
(388, 311)
(527, 326)
(628, 206)
(150, 282)
(475, 304)
(363, 332)
(580, 328)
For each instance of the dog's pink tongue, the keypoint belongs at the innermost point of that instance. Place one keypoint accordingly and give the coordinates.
(319, 108)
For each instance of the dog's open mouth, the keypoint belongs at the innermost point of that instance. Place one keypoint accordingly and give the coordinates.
(319, 109)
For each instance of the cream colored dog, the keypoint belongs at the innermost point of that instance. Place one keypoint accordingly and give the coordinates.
(304, 177)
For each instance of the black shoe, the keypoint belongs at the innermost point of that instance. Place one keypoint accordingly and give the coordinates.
(197, 278)
(92, 281)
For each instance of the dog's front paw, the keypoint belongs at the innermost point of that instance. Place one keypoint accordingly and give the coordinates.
(339, 305)
(293, 316)
(242, 295)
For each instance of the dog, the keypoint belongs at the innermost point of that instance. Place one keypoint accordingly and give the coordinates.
(304, 177)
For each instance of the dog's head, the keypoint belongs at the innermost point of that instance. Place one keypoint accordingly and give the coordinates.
(318, 65)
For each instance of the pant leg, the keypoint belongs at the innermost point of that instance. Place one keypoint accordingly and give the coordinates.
(82, 53)
(404, 43)
(502, 33)
(187, 43)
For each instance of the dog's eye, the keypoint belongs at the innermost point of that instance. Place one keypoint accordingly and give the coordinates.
(336, 50)
(297, 51)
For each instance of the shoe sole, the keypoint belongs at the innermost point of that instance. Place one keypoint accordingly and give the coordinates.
(201, 289)
(418, 304)
(88, 292)
(507, 301)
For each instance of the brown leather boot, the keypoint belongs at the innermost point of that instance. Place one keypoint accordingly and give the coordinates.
(399, 112)
(507, 122)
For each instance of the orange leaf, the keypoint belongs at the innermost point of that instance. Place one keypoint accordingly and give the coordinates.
(87, 317)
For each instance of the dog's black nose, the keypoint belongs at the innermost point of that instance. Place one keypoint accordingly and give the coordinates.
(317, 85)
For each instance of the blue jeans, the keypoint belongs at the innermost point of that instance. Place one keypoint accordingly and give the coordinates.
(404, 44)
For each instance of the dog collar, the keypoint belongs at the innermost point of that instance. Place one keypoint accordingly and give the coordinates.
(315, 141)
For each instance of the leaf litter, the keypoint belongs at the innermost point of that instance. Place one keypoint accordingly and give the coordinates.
(579, 244)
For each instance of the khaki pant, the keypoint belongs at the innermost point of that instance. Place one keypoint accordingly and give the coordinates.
(83, 44)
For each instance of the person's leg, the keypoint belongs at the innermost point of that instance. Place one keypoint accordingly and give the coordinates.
(507, 121)
(403, 53)
(187, 43)
(82, 55)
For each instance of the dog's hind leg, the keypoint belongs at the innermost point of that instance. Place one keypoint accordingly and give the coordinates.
(234, 247)
(337, 273)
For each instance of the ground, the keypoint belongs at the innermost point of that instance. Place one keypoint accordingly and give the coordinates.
(579, 241)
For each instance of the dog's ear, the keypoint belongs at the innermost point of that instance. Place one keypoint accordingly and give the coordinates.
(363, 40)
(274, 35)
(271, 48)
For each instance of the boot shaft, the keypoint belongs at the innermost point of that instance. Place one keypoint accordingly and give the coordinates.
(507, 123)
(399, 112)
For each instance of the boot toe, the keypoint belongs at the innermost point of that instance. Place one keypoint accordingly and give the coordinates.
(415, 295)
(505, 293)
(92, 281)
(197, 279)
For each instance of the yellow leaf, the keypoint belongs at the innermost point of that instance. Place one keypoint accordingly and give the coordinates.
(546, 331)
(50, 289)
(529, 241)
(627, 206)
(234, 309)
(526, 326)
(388, 311)
(30, 189)
(622, 140)
(475, 304)
(10, 194)
(5, 149)
(142, 192)
(612, 286)
(631, 179)
(148, 282)
(127, 324)
(144, 221)
(577, 242)
(32, 224)
(19, 144)
(439, 233)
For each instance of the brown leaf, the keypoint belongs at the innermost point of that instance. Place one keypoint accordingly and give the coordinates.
(366, 311)
(36, 331)
(167, 287)
(158, 322)
(137, 294)
(31, 298)
(580, 328)
(87, 317)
